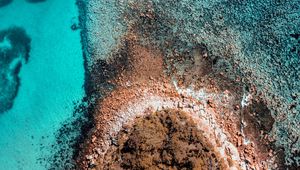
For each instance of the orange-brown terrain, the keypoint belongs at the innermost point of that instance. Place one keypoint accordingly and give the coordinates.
(168, 139)
(175, 112)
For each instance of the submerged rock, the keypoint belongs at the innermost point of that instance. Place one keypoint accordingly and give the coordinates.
(4, 3)
(35, 1)
(14, 52)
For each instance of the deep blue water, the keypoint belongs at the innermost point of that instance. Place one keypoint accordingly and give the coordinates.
(42, 75)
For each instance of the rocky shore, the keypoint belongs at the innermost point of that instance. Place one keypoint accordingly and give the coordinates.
(146, 83)
(145, 58)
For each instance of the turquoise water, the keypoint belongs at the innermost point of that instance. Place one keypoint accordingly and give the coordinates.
(50, 82)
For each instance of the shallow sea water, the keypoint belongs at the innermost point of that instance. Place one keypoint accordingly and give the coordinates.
(50, 82)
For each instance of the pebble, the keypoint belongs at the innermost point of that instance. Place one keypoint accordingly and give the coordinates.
(89, 157)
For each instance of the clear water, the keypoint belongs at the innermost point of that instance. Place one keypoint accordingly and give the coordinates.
(49, 83)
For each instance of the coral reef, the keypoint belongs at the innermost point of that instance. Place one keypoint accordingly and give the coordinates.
(14, 51)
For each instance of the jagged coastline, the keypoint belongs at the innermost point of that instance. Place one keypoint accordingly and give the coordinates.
(146, 22)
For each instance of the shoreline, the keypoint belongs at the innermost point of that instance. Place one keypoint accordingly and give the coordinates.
(102, 88)
(132, 83)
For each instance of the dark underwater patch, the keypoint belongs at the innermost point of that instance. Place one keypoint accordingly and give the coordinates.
(70, 136)
(74, 131)
(4, 2)
(35, 1)
(14, 51)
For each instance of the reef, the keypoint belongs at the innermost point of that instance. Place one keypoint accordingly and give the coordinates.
(14, 52)
(191, 84)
